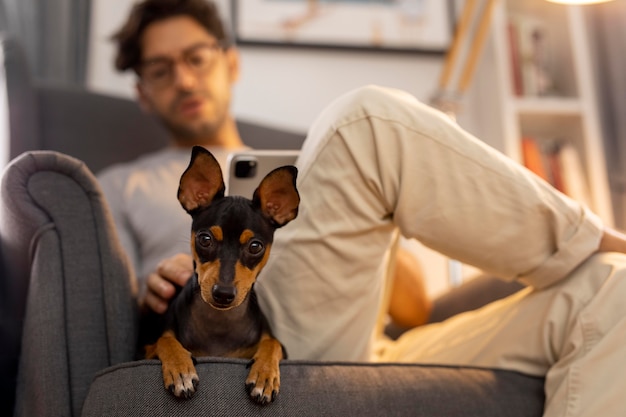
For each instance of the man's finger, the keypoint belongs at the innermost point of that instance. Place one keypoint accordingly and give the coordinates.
(155, 303)
(160, 286)
(177, 269)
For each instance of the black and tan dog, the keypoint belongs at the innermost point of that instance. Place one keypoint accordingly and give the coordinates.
(216, 313)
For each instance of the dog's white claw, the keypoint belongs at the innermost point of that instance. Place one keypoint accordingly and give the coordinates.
(256, 392)
(183, 386)
(262, 391)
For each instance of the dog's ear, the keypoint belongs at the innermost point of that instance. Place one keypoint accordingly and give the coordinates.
(277, 196)
(202, 181)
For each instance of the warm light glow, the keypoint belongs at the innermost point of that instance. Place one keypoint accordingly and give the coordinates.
(579, 1)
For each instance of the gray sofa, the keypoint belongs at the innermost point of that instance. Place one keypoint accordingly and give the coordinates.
(67, 311)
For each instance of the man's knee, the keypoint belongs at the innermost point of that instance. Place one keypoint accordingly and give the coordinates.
(369, 96)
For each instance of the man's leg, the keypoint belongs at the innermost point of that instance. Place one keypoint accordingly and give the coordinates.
(378, 160)
(572, 332)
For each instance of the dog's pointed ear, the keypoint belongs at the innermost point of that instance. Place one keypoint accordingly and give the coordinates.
(277, 196)
(202, 181)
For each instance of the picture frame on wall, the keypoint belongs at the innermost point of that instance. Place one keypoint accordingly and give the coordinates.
(385, 25)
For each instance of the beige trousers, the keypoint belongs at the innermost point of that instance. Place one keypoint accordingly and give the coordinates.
(377, 161)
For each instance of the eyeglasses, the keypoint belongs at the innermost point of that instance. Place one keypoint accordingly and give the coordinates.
(159, 72)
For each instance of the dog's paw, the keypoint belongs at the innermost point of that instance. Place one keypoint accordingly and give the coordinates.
(263, 382)
(180, 377)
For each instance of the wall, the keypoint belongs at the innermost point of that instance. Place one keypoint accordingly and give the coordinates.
(286, 87)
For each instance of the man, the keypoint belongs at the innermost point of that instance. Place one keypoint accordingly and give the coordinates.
(186, 76)
(187, 67)
(378, 162)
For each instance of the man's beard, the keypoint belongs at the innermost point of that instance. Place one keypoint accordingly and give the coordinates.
(190, 133)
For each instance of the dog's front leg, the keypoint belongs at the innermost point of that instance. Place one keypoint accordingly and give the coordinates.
(179, 374)
(263, 380)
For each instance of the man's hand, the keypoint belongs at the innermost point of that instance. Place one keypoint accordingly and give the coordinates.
(160, 284)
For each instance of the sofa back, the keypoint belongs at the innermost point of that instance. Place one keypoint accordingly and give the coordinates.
(98, 129)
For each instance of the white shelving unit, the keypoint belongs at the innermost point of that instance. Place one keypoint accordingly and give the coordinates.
(501, 116)
(495, 111)
(568, 110)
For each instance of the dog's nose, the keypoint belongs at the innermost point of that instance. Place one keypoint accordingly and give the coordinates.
(224, 294)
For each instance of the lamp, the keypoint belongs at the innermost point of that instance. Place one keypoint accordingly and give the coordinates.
(446, 97)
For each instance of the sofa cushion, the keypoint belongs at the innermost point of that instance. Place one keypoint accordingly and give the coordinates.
(320, 389)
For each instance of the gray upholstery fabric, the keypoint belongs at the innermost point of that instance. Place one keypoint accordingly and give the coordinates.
(471, 295)
(65, 264)
(96, 128)
(320, 389)
(10, 330)
(101, 130)
(21, 98)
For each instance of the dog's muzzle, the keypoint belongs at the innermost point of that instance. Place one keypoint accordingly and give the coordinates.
(223, 295)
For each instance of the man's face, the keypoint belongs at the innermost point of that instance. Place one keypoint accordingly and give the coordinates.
(186, 78)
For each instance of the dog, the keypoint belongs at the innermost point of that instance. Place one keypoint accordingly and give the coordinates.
(216, 313)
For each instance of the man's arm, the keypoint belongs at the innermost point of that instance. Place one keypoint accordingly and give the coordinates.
(410, 305)
(612, 241)
(111, 182)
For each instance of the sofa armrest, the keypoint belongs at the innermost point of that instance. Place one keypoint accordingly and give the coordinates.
(68, 279)
(320, 389)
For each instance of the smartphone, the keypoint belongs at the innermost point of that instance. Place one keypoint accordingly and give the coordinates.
(246, 169)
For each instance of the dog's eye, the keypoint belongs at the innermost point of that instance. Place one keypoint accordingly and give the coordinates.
(204, 239)
(255, 247)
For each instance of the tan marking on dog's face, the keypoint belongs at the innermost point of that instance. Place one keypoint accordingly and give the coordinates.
(245, 278)
(217, 232)
(246, 235)
(208, 272)
(208, 276)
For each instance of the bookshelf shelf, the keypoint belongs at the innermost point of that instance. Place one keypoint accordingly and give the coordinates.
(548, 106)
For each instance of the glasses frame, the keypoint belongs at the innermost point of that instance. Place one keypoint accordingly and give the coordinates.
(185, 58)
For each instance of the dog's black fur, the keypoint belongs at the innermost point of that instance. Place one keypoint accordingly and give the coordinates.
(216, 313)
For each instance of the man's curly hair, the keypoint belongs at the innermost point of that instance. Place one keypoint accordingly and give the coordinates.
(128, 38)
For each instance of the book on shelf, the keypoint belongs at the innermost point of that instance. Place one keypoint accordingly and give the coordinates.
(574, 179)
(559, 163)
(534, 158)
(514, 56)
(529, 50)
